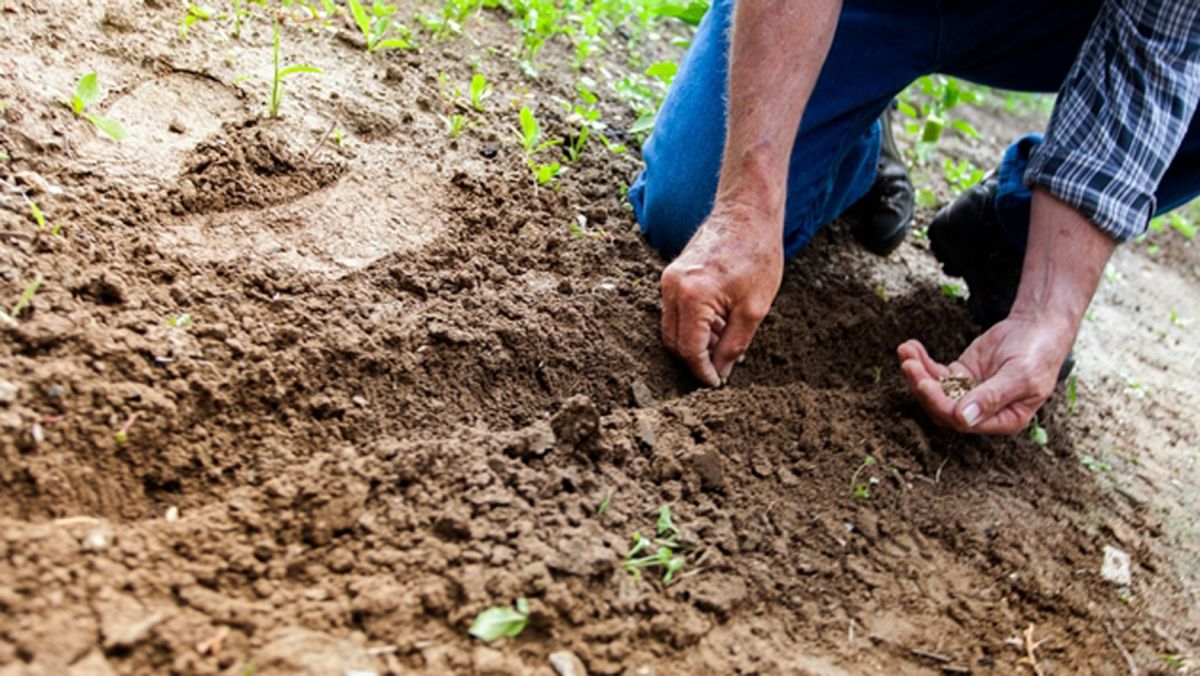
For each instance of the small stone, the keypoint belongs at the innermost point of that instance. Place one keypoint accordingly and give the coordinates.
(37, 432)
(8, 392)
(172, 514)
(567, 663)
(96, 540)
(709, 467)
(642, 396)
(359, 401)
(645, 431)
(577, 421)
(177, 127)
(1117, 567)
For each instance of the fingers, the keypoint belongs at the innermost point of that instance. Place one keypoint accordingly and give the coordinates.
(1002, 404)
(914, 350)
(736, 338)
(696, 324)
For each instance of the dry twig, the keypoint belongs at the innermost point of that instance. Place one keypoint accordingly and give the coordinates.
(1031, 647)
(1112, 636)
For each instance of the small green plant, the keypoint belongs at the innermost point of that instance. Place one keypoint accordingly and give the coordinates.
(280, 74)
(480, 90)
(193, 14)
(862, 490)
(26, 297)
(455, 124)
(87, 92)
(953, 290)
(663, 552)
(1036, 433)
(1094, 464)
(40, 219)
(1178, 320)
(605, 503)
(876, 374)
(961, 175)
(500, 621)
(530, 136)
(374, 26)
(941, 94)
(1072, 395)
(183, 321)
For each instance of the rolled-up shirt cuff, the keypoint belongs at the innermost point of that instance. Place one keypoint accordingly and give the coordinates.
(1100, 191)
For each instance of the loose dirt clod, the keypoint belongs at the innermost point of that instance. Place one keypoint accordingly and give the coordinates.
(956, 387)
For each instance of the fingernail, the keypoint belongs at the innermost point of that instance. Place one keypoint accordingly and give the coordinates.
(970, 414)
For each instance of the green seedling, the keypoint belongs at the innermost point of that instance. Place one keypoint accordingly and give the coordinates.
(530, 133)
(374, 26)
(122, 434)
(455, 124)
(480, 90)
(87, 92)
(26, 297)
(1072, 395)
(544, 173)
(183, 321)
(1094, 464)
(1178, 321)
(280, 74)
(862, 490)
(941, 94)
(193, 13)
(605, 503)
(1036, 433)
(925, 197)
(663, 552)
(500, 621)
(953, 290)
(40, 219)
(961, 175)
(877, 374)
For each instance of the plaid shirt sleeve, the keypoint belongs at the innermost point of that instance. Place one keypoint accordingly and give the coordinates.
(1122, 113)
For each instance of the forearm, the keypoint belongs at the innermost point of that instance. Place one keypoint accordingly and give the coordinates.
(777, 50)
(1064, 260)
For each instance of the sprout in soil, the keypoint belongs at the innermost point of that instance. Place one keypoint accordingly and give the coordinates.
(455, 124)
(663, 552)
(1036, 433)
(863, 490)
(40, 219)
(87, 92)
(500, 621)
(374, 26)
(26, 297)
(480, 90)
(280, 74)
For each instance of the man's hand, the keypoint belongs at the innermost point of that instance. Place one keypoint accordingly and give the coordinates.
(1017, 360)
(1016, 363)
(718, 290)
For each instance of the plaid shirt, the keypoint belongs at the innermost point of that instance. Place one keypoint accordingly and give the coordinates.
(1122, 113)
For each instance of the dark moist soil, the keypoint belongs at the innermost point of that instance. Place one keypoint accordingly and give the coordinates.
(407, 387)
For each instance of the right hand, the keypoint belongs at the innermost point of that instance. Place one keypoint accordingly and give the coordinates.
(716, 293)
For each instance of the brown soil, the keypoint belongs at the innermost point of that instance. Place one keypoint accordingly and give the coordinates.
(408, 386)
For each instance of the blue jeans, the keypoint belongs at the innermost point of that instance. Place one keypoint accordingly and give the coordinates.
(879, 48)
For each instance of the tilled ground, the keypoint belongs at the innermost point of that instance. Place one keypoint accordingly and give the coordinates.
(408, 386)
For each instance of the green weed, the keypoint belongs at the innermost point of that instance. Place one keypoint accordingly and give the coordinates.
(500, 621)
(87, 92)
(192, 14)
(663, 552)
(26, 297)
(374, 26)
(953, 290)
(862, 490)
(1036, 433)
(605, 503)
(455, 124)
(40, 219)
(480, 90)
(280, 74)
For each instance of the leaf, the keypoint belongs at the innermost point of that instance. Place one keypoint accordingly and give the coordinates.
(1072, 395)
(299, 68)
(500, 621)
(393, 43)
(87, 92)
(361, 18)
(644, 123)
(663, 70)
(906, 109)
(26, 296)
(932, 130)
(665, 525)
(691, 13)
(964, 127)
(1037, 434)
(529, 128)
(109, 126)
(37, 215)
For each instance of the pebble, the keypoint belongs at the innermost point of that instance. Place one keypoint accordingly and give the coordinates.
(567, 663)
(8, 392)
(1117, 567)
(172, 513)
(642, 396)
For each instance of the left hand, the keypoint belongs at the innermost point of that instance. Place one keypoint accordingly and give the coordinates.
(1016, 363)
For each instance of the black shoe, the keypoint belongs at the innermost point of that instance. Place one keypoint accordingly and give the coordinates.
(879, 220)
(966, 239)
